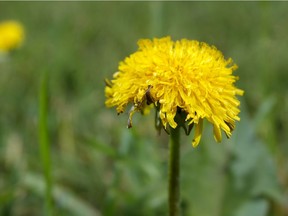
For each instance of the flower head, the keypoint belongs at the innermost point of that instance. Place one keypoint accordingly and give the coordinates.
(187, 82)
(11, 35)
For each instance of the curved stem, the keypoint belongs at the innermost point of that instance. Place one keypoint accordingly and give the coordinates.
(174, 172)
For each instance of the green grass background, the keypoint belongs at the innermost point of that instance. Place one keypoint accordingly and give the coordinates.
(95, 165)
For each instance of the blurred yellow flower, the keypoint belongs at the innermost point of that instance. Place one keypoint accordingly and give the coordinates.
(11, 35)
(187, 81)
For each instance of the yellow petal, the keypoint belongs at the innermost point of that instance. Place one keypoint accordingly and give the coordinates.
(198, 133)
(217, 133)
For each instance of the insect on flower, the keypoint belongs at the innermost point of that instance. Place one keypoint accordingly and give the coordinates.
(149, 99)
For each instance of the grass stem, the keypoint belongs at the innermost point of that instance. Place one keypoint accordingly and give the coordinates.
(44, 144)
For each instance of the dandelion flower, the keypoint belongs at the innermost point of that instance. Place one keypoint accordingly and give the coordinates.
(11, 35)
(186, 81)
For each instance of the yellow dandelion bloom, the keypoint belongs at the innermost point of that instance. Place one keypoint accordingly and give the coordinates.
(187, 81)
(11, 35)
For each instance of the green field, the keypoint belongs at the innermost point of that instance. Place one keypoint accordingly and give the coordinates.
(96, 166)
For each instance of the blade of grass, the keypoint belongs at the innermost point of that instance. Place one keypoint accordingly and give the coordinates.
(156, 11)
(68, 200)
(44, 144)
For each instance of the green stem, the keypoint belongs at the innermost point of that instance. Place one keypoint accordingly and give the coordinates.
(174, 173)
(44, 144)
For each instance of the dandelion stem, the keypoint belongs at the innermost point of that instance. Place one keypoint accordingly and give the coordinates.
(174, 173)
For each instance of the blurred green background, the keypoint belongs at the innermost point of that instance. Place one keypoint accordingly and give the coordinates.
(98, 167)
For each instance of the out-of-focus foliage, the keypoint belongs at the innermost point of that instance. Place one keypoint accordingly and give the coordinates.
(101, 168)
